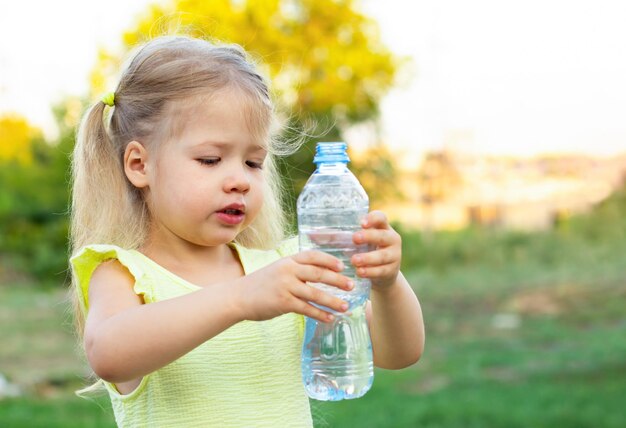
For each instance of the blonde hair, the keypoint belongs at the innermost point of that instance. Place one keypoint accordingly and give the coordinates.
(163, 73)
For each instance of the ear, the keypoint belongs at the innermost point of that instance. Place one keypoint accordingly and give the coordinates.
(136, 164)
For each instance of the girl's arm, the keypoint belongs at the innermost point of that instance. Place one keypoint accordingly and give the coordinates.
(396, 325)
(125, 339)
(395, 315)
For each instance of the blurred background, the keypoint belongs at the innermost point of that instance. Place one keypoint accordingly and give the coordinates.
(491, 133)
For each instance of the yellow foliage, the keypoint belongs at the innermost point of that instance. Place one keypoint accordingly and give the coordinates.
(16, 136)
(323, 56)
(102, 76)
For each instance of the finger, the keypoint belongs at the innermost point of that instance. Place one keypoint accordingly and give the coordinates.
(376, 258)
(377, 271)
(375, 219)
(306, 309)
(375, 237)
(311, 294)
(308, 273)
(319, 258)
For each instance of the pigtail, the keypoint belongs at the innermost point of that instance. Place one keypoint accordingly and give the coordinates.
(106, 208)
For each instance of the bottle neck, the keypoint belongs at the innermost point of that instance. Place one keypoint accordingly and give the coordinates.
(332, 167)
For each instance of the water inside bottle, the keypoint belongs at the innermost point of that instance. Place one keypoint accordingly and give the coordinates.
(337, 357)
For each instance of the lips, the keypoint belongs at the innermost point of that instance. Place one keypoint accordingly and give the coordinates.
(234, 209)
(232, 214)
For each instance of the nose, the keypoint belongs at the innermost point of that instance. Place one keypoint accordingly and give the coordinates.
(237, 181)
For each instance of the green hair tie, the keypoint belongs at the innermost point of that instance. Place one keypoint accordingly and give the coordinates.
(109, 99)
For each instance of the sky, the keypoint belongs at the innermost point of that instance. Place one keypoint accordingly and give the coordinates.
(510, 77)
(48, 54)
(486, 76)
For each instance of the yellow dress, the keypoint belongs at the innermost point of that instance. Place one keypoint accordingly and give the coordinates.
(247, 376)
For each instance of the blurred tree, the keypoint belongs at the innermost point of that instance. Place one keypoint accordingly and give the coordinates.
(33, 203)
(325, 59)
(16, 135)
(323, 56)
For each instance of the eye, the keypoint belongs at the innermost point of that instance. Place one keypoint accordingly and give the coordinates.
(257, 165)
(208, 161)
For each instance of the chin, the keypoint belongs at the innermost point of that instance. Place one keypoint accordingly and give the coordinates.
(219, 239)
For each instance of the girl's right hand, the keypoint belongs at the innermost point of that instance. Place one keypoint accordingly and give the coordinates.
(281, 287)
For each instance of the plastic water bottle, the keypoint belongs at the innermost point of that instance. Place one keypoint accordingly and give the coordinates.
(336, 356)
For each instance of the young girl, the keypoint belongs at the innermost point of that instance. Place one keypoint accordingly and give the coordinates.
(190, 301)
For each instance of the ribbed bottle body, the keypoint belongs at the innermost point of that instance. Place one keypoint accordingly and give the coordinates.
(336, 356)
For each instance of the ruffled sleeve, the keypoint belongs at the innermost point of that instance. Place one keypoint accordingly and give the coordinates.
(85, 262)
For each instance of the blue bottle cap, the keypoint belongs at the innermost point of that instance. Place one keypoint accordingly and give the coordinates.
(331, 153)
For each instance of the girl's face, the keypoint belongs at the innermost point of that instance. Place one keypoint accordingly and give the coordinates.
(206, 184)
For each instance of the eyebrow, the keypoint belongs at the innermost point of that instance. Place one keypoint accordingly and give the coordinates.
(226, 145)
(258, 148)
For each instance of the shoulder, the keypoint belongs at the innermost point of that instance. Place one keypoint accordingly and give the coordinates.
(111, 288)
(112, 282)
(111, 271)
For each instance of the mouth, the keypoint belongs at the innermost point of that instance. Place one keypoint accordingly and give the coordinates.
(234, 209)
(232, 214)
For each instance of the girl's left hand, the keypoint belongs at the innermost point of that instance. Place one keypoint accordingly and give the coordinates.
(382, 264)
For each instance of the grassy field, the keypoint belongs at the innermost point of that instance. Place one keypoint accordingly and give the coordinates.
(522, 330)
(538, 354)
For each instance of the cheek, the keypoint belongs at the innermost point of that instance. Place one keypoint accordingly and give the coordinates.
(183, 195)
(261, 191)
(256, 198)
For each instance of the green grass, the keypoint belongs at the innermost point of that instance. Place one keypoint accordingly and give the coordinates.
(63, 411)
(562, 365)
(39, 353)
(35, 333)
(523, 330)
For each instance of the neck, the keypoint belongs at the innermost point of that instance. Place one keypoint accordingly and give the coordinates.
(178, 254)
